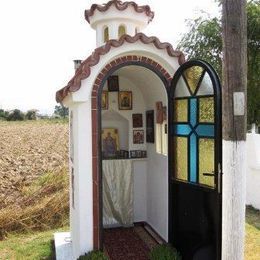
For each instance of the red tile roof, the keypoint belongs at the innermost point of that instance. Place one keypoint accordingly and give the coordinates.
(119, 6)
(84, 70)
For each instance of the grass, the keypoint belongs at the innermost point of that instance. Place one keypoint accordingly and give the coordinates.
(43, 205)
(29, 246)
(38, 245)
(252, 245)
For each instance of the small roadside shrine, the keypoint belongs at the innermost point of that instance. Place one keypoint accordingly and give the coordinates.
(145, 139)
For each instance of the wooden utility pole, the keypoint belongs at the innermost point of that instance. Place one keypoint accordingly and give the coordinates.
(234, 128)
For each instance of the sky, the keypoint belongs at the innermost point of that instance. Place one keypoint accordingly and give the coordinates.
(41, 38)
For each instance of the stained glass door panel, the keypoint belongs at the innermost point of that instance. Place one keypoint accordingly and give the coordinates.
(194, 117)
(195, 161)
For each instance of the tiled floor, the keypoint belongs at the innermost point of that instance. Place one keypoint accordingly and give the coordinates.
(128, 243)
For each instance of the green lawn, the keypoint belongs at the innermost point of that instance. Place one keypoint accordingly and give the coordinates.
(38, 245)
(34, 246)
(252, 247)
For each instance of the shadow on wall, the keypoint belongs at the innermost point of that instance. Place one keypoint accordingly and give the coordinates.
(253, 170)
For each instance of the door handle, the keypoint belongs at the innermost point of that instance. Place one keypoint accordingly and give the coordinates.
(209, 174)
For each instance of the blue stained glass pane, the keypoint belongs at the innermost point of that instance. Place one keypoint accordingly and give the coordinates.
(193, 158)
(205, 130)
(193, 111)
(182, 129)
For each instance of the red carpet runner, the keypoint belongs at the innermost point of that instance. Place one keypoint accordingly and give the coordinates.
(128, 243)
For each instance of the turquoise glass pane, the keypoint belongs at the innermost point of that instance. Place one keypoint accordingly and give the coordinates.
(193, 111)
(205, 130)
(182, 129)
(193, 158)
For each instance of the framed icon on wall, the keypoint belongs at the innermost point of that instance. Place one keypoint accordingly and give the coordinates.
(150, 126)
(110, 142)
(138, 136)
(113, 83)
(137, 120)
(125, 100)
(104, 100)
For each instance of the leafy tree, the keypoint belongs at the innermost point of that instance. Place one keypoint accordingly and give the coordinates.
(3, 114)
(204, 41)
(15, 115)
(31, 114)
(61, 111)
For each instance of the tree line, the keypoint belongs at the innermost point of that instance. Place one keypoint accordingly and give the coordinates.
(32, 114)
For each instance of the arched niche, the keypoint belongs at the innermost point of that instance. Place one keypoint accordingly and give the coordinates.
(121, 30)
(106, 34)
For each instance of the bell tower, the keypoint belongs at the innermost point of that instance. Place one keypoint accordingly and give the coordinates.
(116, 18)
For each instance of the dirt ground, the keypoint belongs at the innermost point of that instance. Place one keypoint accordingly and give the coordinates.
(27, 150)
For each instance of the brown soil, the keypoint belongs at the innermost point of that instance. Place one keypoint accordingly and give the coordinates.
(28, 150)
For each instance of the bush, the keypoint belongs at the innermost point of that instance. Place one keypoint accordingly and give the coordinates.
(15, 115)
(94, 255)
(164, 252)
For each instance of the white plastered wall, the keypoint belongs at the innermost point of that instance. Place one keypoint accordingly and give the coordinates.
(81, 213)
(80, 101)
(253, 171)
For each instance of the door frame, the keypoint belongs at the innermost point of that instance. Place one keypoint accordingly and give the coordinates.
(218, 148)
(165, 77)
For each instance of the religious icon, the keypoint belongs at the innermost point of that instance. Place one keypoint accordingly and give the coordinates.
(138, 136)
(137, 120)
(164, 113)
(112, 83)
(159, 112)
(125, 100)
(150, 126)
(104, 100)
(110, 142)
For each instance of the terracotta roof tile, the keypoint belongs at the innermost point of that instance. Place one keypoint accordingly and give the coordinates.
(84, 70)
(119, 6)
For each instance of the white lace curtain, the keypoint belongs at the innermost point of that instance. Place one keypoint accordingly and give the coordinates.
(117, 193)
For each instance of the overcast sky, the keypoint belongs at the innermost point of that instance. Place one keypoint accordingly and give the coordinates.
(40, 38)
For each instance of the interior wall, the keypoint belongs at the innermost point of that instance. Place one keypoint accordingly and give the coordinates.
(157, 170)
(122, 120)
(138, 107)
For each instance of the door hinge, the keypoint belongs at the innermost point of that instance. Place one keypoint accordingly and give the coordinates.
(219, 178)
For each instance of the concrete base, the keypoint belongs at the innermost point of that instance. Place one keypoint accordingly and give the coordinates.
(63, 246)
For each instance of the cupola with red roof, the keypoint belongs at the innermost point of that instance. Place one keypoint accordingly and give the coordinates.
(116, 18)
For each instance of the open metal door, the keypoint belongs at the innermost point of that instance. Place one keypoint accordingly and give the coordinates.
(195, 162)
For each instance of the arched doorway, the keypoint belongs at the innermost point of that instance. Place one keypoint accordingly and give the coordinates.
(148, 67)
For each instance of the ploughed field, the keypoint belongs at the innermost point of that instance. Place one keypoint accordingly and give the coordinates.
(28, 150)
(33, 176)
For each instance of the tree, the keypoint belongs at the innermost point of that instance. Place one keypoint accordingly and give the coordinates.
(31, 114)
(15, 115)
(204, 41)
(61, 111)
(3, 114)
